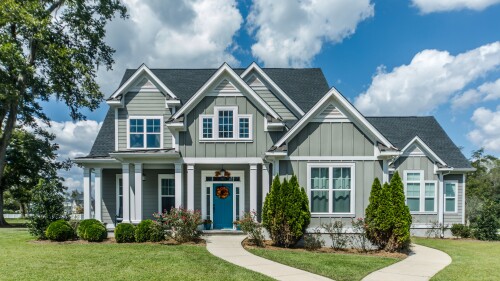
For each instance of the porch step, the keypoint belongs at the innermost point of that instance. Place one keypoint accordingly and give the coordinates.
(222, 232)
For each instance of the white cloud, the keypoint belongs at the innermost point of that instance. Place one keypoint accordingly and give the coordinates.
(172, 34)
(75, 139)
(431, 6)
(486, 92)
(430, 79)
(291, 33)
(487, 132)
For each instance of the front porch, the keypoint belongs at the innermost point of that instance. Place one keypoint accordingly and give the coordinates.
(131, 192)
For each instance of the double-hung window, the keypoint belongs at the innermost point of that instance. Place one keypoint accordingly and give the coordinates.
(166, 193)
(331, 188)
(450, 196)
(225, 124)
(420, 194)
(145, 132)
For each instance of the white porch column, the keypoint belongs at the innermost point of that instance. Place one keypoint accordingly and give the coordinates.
(253, 187)
(440, 198)
(126, 192)
(178, 184)
(385, 168)
(86, 193)
(98, 193)
(265, 181)
(138, 192)
(190, 187)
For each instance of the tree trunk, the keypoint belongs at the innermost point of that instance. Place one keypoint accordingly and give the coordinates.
(6, 136)
(23, 209)
(2, 219)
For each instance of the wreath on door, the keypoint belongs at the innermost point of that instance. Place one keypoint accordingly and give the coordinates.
(222, 192)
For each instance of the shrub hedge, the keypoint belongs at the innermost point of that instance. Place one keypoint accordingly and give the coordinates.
(82, 227)
(95, 233)
(59, 230)
(148, 230)
(125, 233)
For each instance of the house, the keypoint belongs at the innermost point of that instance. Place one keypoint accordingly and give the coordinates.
(212, 139)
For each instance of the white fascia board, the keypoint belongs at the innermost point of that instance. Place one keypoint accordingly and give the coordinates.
(94, 160)
(225, 68)
(254, 66)
(427, 149)
(277, 154)
(176, 126)
(141, 70)
(333, 93)
(115, 103)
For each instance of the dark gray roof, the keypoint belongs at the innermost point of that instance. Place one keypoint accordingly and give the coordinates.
(305, 86)
(401, 130)
(105, 140)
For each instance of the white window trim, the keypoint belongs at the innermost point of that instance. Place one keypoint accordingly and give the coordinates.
(117, 207)
(330, 167)
(215, 125)
(455, 182)
(422, 196)
(145, 131)
(160, 177)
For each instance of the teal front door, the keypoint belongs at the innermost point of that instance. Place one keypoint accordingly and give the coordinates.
(223, 205)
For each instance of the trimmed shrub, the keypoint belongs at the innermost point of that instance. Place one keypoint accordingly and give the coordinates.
(487, 224)
(125, 233)
(460, 231)
(286, 213)
(59, 230)
(148, 230)
(252, 228)
(401, 217)
(181, 224)
(82, 226)
(95, 233)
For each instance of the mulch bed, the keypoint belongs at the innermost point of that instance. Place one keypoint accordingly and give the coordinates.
(247, 244)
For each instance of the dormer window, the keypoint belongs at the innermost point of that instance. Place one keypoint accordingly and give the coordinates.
(226, 124)
(145, 132)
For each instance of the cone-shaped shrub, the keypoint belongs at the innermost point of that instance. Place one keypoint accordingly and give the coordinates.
(401, 217)
(286, 213)
(372, 212)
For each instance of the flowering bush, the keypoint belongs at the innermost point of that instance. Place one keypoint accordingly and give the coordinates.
(252, 228)
(180, 224)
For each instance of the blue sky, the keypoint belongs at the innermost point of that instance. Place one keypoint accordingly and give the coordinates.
(439, 57)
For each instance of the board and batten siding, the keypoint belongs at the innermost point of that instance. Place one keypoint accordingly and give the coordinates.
(270, 98)
(143, 104)
(189, 141)
(330, 139)
(109, 195)
(366, 172)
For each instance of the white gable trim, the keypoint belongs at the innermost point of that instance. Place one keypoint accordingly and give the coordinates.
(225, 69)
(259, 70)
(143, 69)
(333, 93)
(427, 150)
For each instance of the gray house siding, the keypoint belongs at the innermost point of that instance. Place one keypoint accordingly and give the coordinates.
(457, 217)
(143, 104)
(109, 194)
(190, 145)
(330, 139)
(366, 172)
(262, 89)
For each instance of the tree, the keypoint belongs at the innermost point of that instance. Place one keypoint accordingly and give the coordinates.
(47, 206)
(50, 49)
(30, 157)
(286, 213)
(371, 217)
(401, 217)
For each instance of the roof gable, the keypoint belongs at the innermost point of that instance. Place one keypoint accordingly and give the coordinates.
(417, 147)
(224, 73)
(333, 96)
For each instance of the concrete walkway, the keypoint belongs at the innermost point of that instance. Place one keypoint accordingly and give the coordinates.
(229, 248)
(421, 265)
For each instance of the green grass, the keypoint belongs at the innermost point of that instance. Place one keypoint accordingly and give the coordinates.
(340, 267)
(17, 222)
(23, 259)
(471, 259)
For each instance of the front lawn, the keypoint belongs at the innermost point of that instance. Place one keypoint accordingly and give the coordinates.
(339, 267)
(22, 258)
(471, 259)
(17, 222)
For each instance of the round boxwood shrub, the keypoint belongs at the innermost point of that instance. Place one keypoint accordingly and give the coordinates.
(95, 233)
(59, 230)
(148, 230)
(82, 227)
(125, 233)
(157, 233)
